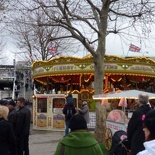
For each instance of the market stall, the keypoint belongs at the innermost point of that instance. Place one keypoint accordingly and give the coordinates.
(47, 111)
(118, 119)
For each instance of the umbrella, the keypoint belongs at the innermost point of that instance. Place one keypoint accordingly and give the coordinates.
(128, 94)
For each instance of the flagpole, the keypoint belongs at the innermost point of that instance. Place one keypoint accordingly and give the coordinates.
(128, 51)
(14, 79)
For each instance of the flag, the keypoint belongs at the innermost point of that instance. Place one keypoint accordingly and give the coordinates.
(134, 48)
(122, 102)
(51, 50)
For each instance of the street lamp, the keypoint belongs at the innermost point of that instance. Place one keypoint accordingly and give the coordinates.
(14, 77)
(15, 69)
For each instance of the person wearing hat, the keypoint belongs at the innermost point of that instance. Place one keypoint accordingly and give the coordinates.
(79, 140)
(149, 131)
(135, 126)
(84, 111)
(12, 116)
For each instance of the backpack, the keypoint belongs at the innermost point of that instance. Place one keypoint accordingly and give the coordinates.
(69, 112)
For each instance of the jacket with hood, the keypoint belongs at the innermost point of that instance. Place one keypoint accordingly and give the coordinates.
(79, 142)
(69, 99)
(66, 107)
(135, 131)
(149, 148)
(84, 111)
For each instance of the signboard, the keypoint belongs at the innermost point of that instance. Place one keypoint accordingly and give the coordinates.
(92, 123)
(115, 126)
(41, 120)
(57, 110)
(58, 121)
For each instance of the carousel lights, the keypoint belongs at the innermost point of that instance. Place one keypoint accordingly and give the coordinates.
(122, 86)
(44, 83)
(75, 91)
(113, 80)
(34, 96)
(128, 85)
(119, 79)
(88, 78)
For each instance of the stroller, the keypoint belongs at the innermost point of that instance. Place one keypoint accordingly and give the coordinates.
(120, 144)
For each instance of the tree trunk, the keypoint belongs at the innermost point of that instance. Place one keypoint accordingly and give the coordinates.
(100, 109)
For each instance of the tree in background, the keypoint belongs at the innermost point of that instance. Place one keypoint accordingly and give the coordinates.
(3, 12)
(38, 42)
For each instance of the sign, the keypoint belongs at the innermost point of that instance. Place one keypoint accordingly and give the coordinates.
(63, 67)
(116, 126)
(143, 68)
(57, 110)
(58, 121)
(41, 120)
(92, 123)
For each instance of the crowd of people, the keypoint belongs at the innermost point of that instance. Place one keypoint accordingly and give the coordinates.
(14, 128)
(140, 130)
(78, 140)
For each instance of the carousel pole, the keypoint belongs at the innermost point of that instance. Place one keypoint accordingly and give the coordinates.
(125, 104)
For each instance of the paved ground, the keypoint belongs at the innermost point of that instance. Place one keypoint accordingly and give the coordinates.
(44, 142)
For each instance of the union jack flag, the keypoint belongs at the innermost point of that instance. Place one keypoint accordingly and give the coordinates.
(134, 48)
(52, 50)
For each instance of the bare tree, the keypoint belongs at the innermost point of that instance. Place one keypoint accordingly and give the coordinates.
(3, 10)
(38, 42)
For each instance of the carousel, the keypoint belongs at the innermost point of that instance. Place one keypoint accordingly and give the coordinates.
(63, 74)
(58, 76)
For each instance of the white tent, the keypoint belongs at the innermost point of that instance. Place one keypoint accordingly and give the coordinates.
(128, 94)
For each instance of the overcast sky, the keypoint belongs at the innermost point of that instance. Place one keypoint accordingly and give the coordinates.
(114, 46)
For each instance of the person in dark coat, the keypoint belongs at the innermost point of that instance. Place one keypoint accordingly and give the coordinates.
(16, 93)
(84, 111)
(135, 132)
(22, 127)
(7, 135)
(26, 86)
(69, 106)
(18, 87)
(12, 116)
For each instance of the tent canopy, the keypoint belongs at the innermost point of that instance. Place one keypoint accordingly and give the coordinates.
(129, 94)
